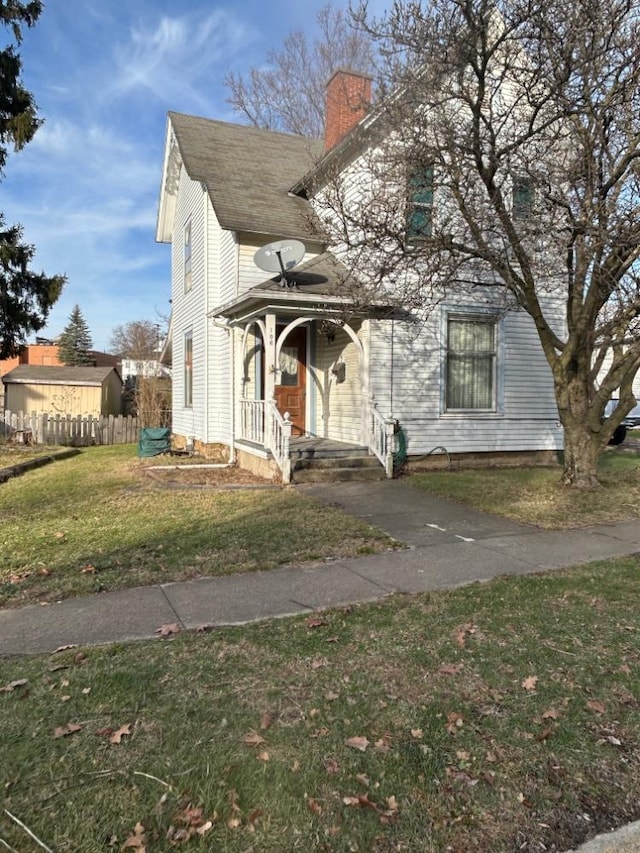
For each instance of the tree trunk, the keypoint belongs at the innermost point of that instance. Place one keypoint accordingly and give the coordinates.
(582, 447)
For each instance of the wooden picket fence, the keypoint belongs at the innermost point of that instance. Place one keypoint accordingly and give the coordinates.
(74, 430)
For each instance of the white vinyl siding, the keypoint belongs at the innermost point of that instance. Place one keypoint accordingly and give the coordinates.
(189, 309)
(410, 388)
(339, 395)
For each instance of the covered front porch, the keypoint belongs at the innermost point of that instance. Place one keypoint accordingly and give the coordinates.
(301, 374)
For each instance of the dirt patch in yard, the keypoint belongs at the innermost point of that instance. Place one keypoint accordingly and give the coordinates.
(201, 476)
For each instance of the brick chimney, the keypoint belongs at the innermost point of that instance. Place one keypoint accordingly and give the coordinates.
(348, 96)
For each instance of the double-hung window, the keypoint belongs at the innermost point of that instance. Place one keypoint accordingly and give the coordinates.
(187, 257)
(521, 198)
(471, 363)
(419, 218)
(188, 369)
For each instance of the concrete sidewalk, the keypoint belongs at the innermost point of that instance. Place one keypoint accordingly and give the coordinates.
(448, 545)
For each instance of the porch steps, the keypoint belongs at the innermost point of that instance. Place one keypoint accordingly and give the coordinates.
(340, 466)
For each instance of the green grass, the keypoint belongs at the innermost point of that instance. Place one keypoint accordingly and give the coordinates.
(498, 717)
(96, 522)
(536, 495)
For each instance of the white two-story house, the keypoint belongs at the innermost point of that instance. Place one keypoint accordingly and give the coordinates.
(270, 368)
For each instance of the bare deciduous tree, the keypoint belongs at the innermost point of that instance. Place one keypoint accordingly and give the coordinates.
(504, 161)
(289, 93)
(138, 340)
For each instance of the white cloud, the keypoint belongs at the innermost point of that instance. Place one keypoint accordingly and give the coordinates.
(171, 59)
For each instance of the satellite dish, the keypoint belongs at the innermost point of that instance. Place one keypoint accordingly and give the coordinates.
(280, 257)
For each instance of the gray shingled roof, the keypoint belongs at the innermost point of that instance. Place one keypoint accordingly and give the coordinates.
(248, 173)
(26, 374)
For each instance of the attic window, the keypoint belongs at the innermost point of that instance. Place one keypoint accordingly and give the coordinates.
(419, 204)
(187, 257)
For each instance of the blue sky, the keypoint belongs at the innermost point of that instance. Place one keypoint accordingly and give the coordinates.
(104, 74)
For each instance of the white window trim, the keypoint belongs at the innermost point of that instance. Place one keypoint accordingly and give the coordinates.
(187, 385)
(187, 241)
(470, 312)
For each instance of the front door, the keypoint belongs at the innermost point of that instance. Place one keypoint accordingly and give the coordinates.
(291, 388)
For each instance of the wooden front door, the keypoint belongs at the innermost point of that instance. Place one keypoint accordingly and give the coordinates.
(291, 388)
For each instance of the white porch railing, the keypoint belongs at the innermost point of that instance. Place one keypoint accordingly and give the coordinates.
(262, 423)
(252, 421)
(381, 438)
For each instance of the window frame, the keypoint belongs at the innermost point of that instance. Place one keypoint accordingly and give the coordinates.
(522, 198)
(188, 369)
(188, 248)
(420, 192)
(471, 315)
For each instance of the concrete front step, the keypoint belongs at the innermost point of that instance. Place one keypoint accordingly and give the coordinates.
(364, 461)
(338, 472)
(314, 453)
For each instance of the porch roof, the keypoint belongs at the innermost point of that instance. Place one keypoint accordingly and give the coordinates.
(322, 286)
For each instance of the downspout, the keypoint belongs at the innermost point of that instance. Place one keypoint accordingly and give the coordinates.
(207, 289)
(232, 440)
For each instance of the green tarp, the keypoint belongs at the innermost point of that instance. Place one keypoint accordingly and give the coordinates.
(154, 440)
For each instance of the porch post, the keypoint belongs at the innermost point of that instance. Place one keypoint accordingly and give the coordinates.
(270, 373)
(390, 429)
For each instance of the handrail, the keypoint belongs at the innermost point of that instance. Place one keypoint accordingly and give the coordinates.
(279, 439)
(381, 438)
(262, 423)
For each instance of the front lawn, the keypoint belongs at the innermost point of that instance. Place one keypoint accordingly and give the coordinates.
(98, 522)
(536, 496)
(495, 717)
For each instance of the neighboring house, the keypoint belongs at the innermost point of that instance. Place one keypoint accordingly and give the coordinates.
(63, 390)
(146, 368)
(45, 353)
(255, 359)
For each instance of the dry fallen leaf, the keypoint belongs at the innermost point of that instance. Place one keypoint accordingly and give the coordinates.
(117, 736)
(454, 722)
(316, 622)
(383, 745)
(69, 729)
(169, 629)
(529, 683)
(596, 706)
(360, 743)
(416, 733)
(137, 841)
(88, 569)
(450, 668)
(314, 805)
(263, 756)
(13, 685)
(253, 739)
(551, 714)
(461, 632)
(265, 721)
(332, 766)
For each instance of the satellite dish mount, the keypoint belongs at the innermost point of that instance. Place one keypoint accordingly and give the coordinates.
(281, 257)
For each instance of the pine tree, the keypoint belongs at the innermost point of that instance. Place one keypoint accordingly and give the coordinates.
(75, 341)
(25, 297)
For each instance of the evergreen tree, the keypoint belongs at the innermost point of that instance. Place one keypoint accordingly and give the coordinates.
(75, 341)
(25, 297)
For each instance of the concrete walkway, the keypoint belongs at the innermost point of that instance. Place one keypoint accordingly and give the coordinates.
(449, 545)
